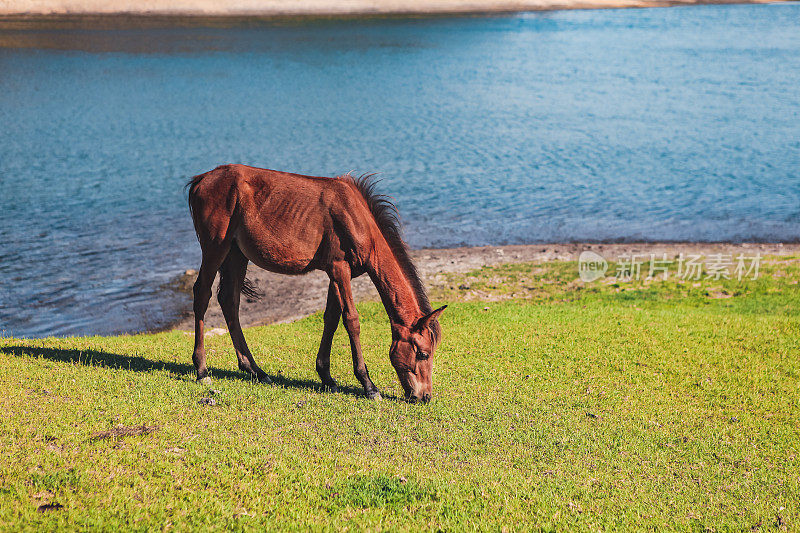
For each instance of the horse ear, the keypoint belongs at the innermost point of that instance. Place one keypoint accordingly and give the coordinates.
(425, 321)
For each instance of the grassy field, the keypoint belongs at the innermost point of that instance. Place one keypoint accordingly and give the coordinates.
(557, 406)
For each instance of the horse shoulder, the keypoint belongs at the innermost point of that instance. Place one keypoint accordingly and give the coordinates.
(350, 216)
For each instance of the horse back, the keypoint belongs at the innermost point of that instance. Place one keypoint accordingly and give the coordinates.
(284, 222)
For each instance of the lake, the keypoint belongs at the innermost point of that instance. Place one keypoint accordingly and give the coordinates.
(603, 125)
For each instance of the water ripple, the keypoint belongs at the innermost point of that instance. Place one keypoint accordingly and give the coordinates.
(655, 124)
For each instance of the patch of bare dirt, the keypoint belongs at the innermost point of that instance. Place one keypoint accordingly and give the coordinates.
(289, 298)
(45, 507)
(124, 431)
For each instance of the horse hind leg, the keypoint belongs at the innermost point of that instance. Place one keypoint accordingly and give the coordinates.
(231, 284)
(212, 259)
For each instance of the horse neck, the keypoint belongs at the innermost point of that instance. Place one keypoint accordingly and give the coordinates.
(397, 294)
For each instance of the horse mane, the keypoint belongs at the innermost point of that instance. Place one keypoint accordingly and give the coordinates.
(388, 219)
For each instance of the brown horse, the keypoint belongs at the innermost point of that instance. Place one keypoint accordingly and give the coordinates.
(292, 224)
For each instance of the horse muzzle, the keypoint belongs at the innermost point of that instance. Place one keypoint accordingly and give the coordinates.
(418, 398)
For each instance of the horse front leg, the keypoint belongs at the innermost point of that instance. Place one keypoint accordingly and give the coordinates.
(332, 315)
(340, 274)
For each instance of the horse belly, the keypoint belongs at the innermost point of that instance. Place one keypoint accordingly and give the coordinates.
(281, 246)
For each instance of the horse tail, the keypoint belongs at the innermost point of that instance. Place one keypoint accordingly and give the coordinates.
(191, 186)
(226, 275)
(249, 289)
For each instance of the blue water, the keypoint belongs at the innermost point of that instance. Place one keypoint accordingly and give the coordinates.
(655, 124)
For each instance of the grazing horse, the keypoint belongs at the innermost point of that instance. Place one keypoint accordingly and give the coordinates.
(292, 224)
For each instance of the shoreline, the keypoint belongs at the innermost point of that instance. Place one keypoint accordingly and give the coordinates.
(16, 14)
(290, 298)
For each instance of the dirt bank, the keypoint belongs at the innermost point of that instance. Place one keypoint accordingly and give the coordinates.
(288, 298)
(282, 8)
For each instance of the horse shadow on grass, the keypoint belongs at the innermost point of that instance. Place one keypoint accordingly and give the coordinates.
(135, 363)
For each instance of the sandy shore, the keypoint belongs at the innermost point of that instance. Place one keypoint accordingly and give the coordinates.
(272, 8)
(288, 298)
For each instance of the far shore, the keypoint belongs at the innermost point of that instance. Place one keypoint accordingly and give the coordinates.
(129, 12)
(290, 298)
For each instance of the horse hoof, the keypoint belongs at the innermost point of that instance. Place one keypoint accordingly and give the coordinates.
(376, 396)
(205, 381)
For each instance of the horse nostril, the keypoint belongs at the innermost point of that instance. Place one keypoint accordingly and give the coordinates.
(426, 398)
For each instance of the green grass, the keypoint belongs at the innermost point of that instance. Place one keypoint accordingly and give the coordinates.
(560, 406)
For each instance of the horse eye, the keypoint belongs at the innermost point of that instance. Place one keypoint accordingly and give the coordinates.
(422, 355)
